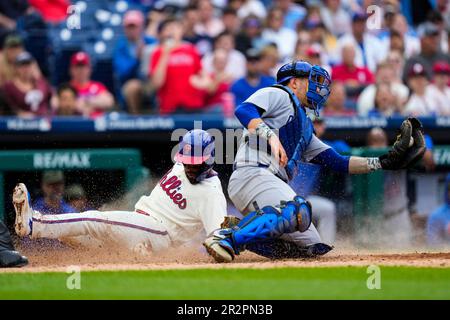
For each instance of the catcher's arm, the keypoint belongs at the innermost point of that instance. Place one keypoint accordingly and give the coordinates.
(402, 155)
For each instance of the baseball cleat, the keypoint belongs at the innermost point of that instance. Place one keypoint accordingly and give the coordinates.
(219, 250)
(24, 212)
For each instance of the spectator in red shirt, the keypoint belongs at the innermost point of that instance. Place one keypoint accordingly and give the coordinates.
(27, 95)
(52, 11)
(94, 96)
(173, 64)
(354, 78)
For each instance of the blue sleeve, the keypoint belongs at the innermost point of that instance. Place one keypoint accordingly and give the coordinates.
(330, 159)
(246, 112)
(125, 65)
(428, 142)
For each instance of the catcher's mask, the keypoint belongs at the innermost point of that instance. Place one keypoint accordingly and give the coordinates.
(319, 81)
(196, 151)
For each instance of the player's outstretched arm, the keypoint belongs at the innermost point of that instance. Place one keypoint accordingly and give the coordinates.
(407, 150)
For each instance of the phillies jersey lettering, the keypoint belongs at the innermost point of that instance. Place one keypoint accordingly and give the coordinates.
(170, 187)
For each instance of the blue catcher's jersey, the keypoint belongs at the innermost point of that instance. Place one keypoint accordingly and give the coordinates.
(283, 113)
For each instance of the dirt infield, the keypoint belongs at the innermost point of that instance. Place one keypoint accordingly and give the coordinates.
(45, 257)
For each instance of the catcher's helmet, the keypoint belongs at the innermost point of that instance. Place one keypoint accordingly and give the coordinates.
(319, 81)
(196, 147)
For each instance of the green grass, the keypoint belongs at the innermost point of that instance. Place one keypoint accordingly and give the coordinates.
(283, 283)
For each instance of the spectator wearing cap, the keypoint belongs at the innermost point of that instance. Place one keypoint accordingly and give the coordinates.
(236, 60)
(26, 95)
(367, 47)
(76, 198)
(439, 90)
(65, 102)
(335, 18)
(320, 36)
(52, 202)
(253, 80)
(202, 42)
(250, 34)
(355, 78)
(430, 50)
(12, 46)
(172, 64)
(94, 97)
(385, 74)
(275, 32)
(127, 59)
(247, 8)
(209, 24)
(420, 102)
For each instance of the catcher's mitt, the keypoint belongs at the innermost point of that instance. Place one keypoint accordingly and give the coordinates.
(403, 155)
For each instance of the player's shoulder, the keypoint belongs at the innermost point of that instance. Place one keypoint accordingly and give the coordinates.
(270, 93)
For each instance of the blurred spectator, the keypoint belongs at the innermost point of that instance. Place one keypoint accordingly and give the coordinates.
(53, 11)
(420, 102)
(202, 42)
(231, 21)
(127, 59)
(386, 103)
(354, 78)
(10, 11)
(385, 75)
(293, 12)
(12, 46)
(430, 52)
(269, 60)
(320, 37)
(438, 225)
(439, 90)
(275, 32)
(397, 62)
(52, 202)
(172, 65)
(254, 79)
(76, 198)
(208, 24)
(94, 97)
(335, 18)
(368, 49)
(154, 18)
(320, 128)
(399, 33)
(246, 8)
(250, 32)
(397, 228)
(336, 104)
(25, 94)
(216, 83)
(66, 101)
(236, 60)
(302, 45)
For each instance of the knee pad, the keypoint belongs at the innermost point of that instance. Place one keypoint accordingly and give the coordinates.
(272, 222)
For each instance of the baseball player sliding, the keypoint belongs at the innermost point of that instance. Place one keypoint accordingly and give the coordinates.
(277, 222)
(187, 200)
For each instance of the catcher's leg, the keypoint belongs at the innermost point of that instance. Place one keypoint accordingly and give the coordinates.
(128, 229)
(259, 226)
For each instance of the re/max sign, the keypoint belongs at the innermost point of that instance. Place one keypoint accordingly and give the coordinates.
(51, 160)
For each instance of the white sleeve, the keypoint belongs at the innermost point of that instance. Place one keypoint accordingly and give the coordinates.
(315, 147)
(212, 210)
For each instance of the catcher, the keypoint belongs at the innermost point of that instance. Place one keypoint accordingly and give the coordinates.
(176, 211)
(278, 222)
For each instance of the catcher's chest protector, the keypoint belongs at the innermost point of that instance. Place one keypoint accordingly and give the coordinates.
(296, 134)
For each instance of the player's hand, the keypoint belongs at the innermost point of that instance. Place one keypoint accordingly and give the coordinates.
(278, 151)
